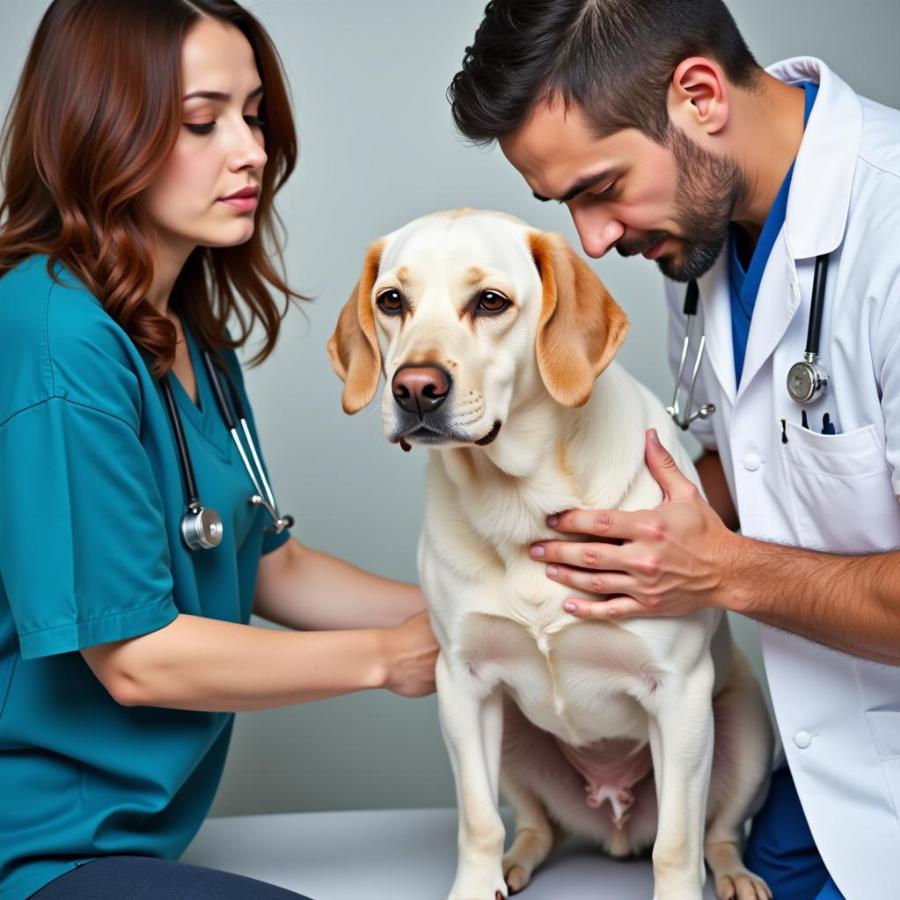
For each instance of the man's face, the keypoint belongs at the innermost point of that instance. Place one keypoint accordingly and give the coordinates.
(671, 203)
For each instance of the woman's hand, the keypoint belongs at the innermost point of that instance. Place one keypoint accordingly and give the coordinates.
(410, 653)
(668, 561)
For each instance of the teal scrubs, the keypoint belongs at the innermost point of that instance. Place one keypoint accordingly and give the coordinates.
(90, 552)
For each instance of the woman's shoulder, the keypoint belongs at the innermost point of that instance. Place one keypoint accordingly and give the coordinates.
(59, 342)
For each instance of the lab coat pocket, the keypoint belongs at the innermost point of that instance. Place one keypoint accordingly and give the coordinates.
(843, 499)
(885, 726)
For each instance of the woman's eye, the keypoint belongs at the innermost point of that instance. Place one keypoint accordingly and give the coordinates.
(390, 302)
(200, 128)
(491, 303)
(254, 121)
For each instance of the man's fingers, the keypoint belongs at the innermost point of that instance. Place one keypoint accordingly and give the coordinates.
(675, 484)
(607, 524)
(614, 608)
(593, 555)
(604, 583)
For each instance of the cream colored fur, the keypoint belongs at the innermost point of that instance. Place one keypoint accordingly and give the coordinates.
(509, 652)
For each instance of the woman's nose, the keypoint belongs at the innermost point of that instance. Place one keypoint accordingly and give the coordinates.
(249, 152)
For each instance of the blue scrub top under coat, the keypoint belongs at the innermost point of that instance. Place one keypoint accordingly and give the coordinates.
(744, 284)
(91, 552)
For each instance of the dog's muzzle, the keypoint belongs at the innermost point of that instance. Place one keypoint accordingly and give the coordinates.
(419, 391)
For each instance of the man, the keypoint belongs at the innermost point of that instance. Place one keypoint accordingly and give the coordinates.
(652, 122)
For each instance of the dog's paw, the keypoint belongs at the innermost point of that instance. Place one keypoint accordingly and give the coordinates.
(517, 878)
(475, 886)
(529, 850)
(742, 886)
(472, 889)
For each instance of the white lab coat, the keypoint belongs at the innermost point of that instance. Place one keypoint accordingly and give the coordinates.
(838, 716)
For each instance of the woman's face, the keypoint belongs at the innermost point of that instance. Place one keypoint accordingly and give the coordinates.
(220, 148)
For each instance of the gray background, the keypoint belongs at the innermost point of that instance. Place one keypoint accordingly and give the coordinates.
(378, 149)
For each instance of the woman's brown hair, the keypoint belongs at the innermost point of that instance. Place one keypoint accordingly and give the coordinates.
(95, 116)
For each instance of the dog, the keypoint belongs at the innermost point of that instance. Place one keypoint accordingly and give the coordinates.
(496, 343)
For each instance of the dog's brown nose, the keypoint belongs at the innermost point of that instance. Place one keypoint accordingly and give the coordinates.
(420, 389)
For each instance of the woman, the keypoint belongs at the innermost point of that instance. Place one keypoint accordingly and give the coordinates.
(144, 147)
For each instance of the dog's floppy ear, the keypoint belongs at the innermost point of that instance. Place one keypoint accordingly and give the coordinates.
(581, 326)
(353, 348)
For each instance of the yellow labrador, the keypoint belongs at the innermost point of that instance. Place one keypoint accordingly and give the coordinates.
(496, 342)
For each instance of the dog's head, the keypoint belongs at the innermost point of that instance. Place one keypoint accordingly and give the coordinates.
(467, 315)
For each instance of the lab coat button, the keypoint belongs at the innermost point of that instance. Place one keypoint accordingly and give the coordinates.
(752, 462)
(802, 739)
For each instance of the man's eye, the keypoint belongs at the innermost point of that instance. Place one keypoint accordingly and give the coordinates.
(390, 302)
(490, 303)
(606, 193)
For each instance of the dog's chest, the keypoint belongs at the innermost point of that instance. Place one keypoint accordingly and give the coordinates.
(581, 681)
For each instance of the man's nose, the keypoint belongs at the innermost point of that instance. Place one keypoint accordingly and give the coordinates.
(597, 231)
(420, 389)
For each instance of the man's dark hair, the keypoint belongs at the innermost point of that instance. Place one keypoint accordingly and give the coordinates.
(614, 58)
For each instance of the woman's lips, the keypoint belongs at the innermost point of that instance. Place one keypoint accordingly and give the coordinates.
(242, 204)
(242, 201)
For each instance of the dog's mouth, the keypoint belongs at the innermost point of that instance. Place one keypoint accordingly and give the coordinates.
(423, 433)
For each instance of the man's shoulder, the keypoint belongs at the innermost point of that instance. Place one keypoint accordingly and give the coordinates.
(880, 141)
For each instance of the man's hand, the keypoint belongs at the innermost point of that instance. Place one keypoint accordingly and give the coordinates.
(668, 561)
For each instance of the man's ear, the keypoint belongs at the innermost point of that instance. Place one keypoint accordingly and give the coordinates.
(353, 348)
(581, 326)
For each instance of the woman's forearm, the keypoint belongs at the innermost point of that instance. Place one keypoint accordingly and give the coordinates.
(310, 590)
(205, 664)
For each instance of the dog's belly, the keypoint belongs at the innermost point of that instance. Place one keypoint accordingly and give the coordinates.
(583, 682)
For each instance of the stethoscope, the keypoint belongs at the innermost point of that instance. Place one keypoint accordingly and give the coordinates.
(806, 380)
(201, 527)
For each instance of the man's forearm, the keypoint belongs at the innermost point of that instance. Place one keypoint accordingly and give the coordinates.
(851, 603)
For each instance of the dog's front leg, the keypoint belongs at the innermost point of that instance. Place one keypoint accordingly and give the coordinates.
(681, 744)
(472, 723)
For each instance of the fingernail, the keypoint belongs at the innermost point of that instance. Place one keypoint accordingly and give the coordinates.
(552, 521)
(537, 551)
(654, 437)
(552, 570)
(570, 606)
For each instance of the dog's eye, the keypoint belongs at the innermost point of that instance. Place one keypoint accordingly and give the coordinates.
(490, 303)
(390, 302)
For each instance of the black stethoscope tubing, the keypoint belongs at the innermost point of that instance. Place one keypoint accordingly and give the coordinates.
(806, 379)
(201, 527)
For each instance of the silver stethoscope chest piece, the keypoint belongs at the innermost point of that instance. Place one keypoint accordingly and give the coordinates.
(808, 379)
(201, 527)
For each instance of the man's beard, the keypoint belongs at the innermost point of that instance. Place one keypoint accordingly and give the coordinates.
(708, 190)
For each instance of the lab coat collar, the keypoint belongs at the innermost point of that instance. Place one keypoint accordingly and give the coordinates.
(816, 219)
(819, 201)
(716, 301)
